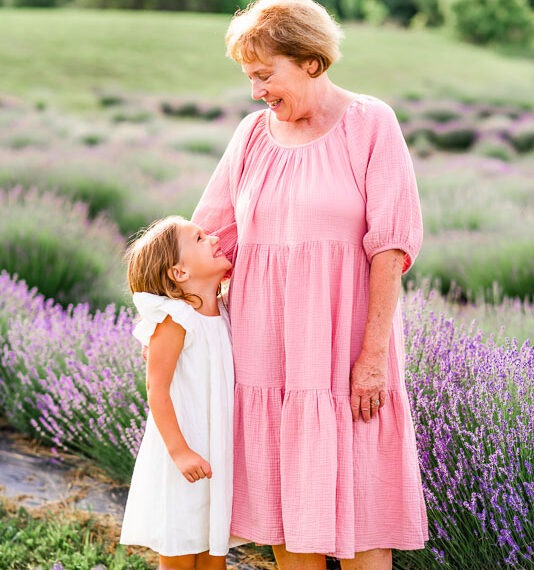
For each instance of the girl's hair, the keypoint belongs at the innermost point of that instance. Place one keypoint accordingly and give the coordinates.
(298, 29)
(150, 257)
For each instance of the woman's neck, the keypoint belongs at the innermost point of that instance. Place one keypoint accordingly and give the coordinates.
(328, 106)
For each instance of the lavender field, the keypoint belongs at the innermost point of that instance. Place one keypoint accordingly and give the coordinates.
(77, 183)
(72, 376)
(74, 380)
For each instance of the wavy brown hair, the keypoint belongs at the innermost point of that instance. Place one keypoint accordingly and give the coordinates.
(299, 29)
(150, 257)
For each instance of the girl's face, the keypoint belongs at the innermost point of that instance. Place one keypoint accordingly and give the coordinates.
(201, 256)
(284, 85)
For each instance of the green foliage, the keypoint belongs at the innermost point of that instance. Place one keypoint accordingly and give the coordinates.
(454, 136)
(191, 110)
(474, 269)
(401, 11)
(131, 116)
(59, 542)
(102, 190)
(92, 139)
(494, 21)
(522, 138)
(495, 147)
(430, 12)
(51, 244)
(441, 114)
(213, 6)
(35, 3)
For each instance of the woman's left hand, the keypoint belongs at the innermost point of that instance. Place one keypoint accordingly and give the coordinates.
(368, 386)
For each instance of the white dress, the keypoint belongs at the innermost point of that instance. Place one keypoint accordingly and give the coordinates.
(164, 511)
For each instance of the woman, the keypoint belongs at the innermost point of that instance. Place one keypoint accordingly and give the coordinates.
(316, 204)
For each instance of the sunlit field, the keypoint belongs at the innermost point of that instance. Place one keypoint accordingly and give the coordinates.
(109, 120)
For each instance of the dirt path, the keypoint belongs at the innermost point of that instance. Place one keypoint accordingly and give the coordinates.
(33, 478)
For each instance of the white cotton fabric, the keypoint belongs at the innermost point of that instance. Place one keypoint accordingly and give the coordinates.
(164, 511)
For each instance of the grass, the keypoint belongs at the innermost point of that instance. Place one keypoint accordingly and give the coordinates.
(72, 59)
(60, 540)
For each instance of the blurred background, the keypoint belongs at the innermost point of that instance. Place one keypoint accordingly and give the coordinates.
(116, 112)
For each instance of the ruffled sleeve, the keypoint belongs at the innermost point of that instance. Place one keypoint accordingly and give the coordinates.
(215, 211)
(153, 309)
(385, 176)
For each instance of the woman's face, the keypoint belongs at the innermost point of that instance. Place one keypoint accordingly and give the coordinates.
(283, 84)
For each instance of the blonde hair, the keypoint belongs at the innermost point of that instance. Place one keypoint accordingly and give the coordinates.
(150, 259)
(298, 29)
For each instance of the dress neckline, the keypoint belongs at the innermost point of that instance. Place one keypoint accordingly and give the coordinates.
(338, 121)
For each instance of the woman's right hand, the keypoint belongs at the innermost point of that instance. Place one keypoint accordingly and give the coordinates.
(192, 466)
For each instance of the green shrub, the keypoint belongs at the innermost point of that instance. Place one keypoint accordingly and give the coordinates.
(180, 109)
(51, 244)
(103, 192)
(475, 268)
(416, 130)
(191, 110)
(403, 115)
(441, 114)
(92, 139)
(110, 100)
(199, 146)
(131, 116)
(522, 136)
(430, 12)
(35, 3)
(494, 21)
(401, 11)
(494, 146)
(454, 136)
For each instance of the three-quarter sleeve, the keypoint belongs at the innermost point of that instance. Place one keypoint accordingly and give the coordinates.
(381, 159)
(215, 210)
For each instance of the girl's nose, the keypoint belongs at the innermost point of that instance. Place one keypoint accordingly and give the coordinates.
(215, 239)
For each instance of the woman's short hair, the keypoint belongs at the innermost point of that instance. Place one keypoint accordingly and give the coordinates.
(298, 29)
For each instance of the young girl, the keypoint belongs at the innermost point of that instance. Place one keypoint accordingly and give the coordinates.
(180, 498)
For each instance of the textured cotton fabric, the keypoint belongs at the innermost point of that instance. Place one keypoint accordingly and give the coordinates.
(164, 511)
(301, 224)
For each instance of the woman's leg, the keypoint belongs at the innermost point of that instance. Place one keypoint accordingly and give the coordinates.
(207, 562)
(186, 562)
(293, 561)
(378, 559)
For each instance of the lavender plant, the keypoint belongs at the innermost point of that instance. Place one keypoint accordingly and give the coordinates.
(76, 381)
(72, 379)
(473, 407)
(53, 245)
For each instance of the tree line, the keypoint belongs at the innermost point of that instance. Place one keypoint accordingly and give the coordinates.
(478, 21)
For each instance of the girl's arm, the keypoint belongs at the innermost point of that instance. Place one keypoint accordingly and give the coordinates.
(369, 374)
(166, 345)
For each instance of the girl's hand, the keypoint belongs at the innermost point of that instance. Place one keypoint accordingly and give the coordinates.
(192, 466)
(368, 386)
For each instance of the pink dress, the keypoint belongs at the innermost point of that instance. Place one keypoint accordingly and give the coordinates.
(301, 225)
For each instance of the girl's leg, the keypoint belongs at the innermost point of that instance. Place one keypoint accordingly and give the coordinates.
(207, 562)
(293, 561)
(186, 562)
(378, 559)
